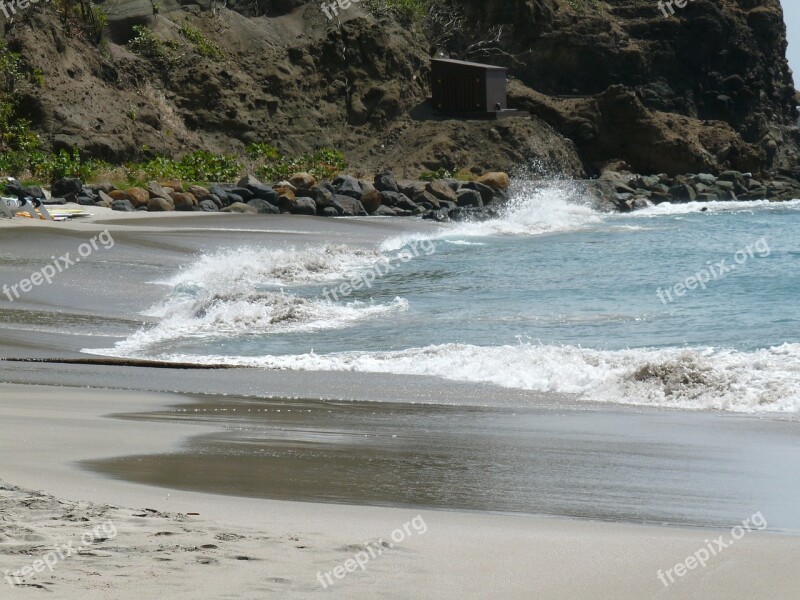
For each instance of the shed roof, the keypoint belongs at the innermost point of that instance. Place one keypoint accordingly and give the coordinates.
(464, 63)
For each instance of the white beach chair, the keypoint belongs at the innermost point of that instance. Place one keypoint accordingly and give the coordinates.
(9, 207)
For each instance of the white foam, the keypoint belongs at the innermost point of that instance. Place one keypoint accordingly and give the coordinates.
(234, 314)
(534, 208)
(713, 207)
(269, 266)
(764, 381)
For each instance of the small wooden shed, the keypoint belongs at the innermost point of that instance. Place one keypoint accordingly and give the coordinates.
(466, 87)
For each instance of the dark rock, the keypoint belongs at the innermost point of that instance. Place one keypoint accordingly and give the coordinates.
(122, 206)
(409, 187)
(350, 206)
(484, 190)
(427, 200)
(304, 206)
(208, 206)
(732, 176)
(211, 198)
(220, 193)
(54, 202)
(440, 216)
(384, 211)
(264, 207)
(385, 182)
(328, 211)
(347, 185)
(67, 185)
(469, 198)
(86, 200)
(441, 190)
(103, 186)
(683, 193)
(401, 201)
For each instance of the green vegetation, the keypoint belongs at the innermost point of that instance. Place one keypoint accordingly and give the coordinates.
(146, 44)
(202, 44)
(194, 167)
(271, 165)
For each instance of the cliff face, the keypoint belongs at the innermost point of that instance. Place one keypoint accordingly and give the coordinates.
(706, 89)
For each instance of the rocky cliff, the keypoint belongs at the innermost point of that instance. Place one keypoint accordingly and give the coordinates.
(705, 89)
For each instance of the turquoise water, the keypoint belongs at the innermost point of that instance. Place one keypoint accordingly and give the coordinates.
(553, 297)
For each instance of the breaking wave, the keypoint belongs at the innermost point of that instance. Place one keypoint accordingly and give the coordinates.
(702, 378)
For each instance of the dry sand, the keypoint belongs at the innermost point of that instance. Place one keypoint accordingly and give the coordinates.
(242, 548)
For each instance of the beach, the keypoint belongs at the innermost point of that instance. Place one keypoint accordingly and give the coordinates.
(523, 492)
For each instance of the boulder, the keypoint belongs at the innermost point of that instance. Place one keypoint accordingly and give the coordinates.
(220, 193)
(240, 207)
(138, 196)
(484, 190)
(495, 180)
(197, 190)
(156, 190)
(207, 206)
(441, 190)
(470, 198)
(104, 199)
(328, 211)
(122, 206)
(160, 205)
(67, 185)
(370, 197)
(213, 198)
(184, 201)
(683, 192)
(264, 207)
(175, 184)
(400, 201)
(410, 187)
(304, 206)
(428, 200)
(384, 211)
(103, 186)
(350, 206)
(303, 180)
(385, 182)
(347, 185)
(325, 200)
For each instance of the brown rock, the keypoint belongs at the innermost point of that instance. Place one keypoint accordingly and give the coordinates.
(370, 197)
(303, 180)
(118, 195)
(441, 190)
(286, 190)
(160, 205)
(138, 197)
(175, 184)
(197, 191)
(184, 201)
(496, 180)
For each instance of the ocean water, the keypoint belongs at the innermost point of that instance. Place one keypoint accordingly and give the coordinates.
(554, 296)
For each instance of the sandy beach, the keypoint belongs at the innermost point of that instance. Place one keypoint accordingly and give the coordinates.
(144, 539)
